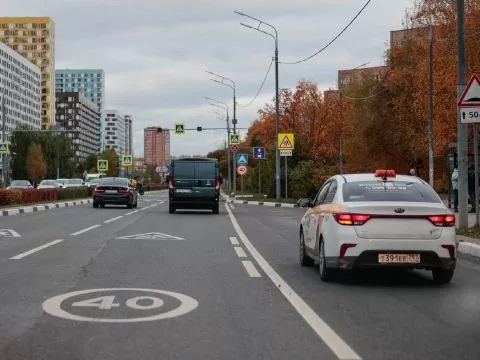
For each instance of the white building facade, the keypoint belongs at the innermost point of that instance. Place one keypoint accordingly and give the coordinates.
(114, 134)
(20, 91)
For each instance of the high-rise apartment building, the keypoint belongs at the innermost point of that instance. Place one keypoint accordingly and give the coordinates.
(114, 131)
(34, 39)
(75, 112)
(89, 82)
(128, 135)
(156, 146)
(20, 91)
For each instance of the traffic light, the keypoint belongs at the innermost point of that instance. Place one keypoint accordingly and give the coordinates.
(199, 128)
(159, 130)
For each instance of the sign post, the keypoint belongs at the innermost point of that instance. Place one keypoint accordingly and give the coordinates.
(234, 139)
(286, 144)
(259, 154)
(469, 105)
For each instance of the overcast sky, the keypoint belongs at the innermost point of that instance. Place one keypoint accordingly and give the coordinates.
(155, 53)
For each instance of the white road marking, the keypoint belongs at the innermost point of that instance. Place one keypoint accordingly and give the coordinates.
(251, 269)
(9, 233)
(131, 212)
(53, 306)
(232, 206)
(234, 240)
(34, 250)
(113, 219)
(84, 230)
(341, 349)
(240, 252)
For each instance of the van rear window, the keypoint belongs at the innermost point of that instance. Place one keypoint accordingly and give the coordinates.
(184, 170)
(205, 170)
(389, 191)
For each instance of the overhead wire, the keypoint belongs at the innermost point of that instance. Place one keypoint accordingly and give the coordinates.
(261, 85)
(334, 39)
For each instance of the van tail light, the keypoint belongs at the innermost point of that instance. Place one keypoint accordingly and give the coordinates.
(344, 248)
(99, 190)
(351, 219)
(442, 220)
(217, 183)
(450, 248)
(124, 190)
(170, 184)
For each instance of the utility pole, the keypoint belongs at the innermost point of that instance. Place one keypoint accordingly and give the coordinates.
(430, 108)
(462, 129)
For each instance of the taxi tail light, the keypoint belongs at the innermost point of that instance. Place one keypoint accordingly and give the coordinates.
(124, 190)
(442, 220)
(99, 190)
(170, 184)
(351, 219)
(344, 248)
(450, 248)
(217, 183)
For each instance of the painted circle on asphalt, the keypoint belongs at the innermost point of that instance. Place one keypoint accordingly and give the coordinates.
(53, 306)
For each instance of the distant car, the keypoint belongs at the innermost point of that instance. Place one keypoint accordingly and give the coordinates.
(378, 220)
(194, 183)
(48, 184)
(69, 183)
(20, 184)
(114, 191)
(92, 182)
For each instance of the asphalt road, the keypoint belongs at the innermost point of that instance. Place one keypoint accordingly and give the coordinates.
(117, 283)
(84, 283)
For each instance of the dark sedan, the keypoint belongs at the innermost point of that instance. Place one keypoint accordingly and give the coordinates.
(114, 191)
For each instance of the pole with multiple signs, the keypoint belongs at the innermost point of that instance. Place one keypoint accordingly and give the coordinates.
(286, 144)
(234, 140)
(259, 154)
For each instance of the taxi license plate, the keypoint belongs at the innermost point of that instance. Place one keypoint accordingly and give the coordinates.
(399, 258)
(111, 191)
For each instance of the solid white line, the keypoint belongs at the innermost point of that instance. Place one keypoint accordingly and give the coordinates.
(112, 219)
(341, 349)
(251, 269)
(240, 252)
(233, 207)
(34, 250)
(84, 230)
(234, 240)
(131, 212)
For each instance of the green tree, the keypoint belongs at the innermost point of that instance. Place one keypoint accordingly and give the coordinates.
(113, 164)
(36, 166)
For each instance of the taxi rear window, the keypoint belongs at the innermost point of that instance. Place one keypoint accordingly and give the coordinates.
(389, 191)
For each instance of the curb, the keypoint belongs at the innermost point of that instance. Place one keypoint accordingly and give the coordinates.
(51, 206)
(468, 247)
(259, 203)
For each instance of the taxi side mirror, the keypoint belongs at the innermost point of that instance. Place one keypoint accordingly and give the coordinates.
(304, 203)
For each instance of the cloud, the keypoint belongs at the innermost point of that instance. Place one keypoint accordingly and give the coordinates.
(155, 53)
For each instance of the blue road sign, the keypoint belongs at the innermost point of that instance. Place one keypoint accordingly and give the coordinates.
(259, 153)
(242, 159)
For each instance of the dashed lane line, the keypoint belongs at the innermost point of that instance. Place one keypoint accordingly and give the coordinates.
(37, 249)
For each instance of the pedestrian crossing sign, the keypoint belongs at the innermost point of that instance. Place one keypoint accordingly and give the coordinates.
(102, 165)
(127, 160)
(4, 148)
(179, 128)
(234, 139)
(286, 141)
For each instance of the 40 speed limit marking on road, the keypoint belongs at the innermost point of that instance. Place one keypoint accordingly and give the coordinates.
(119, 305)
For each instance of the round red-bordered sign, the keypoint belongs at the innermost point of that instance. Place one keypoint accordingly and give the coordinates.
(242, 170)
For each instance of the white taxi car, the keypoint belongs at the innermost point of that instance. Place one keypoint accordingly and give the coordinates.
(378, 220)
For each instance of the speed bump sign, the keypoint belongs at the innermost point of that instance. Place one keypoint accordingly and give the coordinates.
(102, 165)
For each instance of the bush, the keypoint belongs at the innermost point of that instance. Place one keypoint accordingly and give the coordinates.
(14, 196)
(75, 193)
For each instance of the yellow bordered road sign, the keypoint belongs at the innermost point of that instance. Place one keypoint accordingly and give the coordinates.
(286, 141)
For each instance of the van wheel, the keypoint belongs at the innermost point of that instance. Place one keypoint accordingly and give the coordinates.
(171, 208)
(216, 208)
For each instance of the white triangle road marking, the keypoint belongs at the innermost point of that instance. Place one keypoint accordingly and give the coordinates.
(150, 236)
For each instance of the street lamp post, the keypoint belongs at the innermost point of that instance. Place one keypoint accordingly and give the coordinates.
(225, 107)
(277, 96)
(234, 120)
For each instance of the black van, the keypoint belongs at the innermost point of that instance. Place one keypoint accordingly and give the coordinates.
(194, 183)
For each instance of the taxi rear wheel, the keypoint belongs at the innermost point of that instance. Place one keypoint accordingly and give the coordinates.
(326, 274)
(442, 276)
(305, 260)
